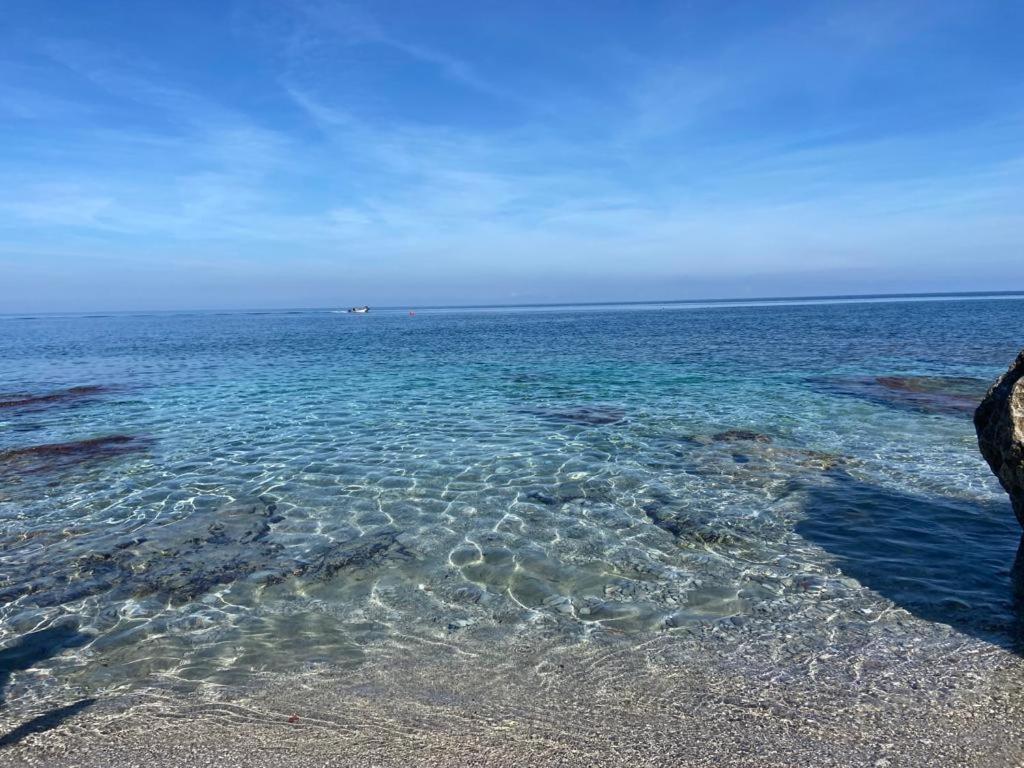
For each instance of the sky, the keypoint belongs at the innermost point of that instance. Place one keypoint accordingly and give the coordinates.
(307, 153)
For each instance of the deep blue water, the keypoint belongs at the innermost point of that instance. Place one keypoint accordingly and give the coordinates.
(200, 494)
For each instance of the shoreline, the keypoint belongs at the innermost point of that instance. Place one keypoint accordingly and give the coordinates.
(716, 698)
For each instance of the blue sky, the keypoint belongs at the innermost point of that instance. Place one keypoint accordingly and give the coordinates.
(196, 154)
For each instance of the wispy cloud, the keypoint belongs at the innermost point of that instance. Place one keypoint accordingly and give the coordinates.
(711, 161)
(352, 25)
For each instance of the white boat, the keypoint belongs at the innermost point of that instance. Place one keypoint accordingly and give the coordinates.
(359, 310)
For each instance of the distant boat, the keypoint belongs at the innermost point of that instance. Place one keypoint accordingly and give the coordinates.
(359, 310)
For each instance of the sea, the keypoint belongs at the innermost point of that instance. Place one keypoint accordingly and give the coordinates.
(191, 498)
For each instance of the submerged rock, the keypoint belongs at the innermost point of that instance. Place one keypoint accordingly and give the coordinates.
(48, 457)
(554, 499)
(928, 394)
(689, 530)
(999, 422)
(740, 435)
(726, 436)
(821, 461)
(364, 552)
(181, 567)
(521, 377)
(585, 414)
(70, 394)
(178, 561)
(763, 453)
(184, 559)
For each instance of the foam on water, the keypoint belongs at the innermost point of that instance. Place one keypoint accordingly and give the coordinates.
(240, 491)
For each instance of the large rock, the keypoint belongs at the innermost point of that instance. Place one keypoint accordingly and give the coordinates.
(999, 422)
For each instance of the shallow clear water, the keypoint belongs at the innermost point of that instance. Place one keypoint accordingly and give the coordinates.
(285, 488)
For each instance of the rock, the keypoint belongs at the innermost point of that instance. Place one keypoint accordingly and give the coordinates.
(999, 422)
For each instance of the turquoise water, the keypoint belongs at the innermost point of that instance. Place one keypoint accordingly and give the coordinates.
(195, 496)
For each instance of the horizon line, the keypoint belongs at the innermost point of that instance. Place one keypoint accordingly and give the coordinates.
(838, 298)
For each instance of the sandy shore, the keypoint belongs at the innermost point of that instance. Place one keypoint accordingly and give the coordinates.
(714, 699)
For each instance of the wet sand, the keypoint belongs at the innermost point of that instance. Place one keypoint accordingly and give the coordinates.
(914, 695)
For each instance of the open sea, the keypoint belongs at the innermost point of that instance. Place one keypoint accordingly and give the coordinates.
(190, 498)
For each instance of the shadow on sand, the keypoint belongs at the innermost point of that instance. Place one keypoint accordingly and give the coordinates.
(38, 646)
(29, 650)
(943, 560)
(44, 722)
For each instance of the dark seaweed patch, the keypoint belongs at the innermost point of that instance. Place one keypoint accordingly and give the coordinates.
(528, 378)
(587, 415)
(927, 394)
(69, 395)
(47, 457)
